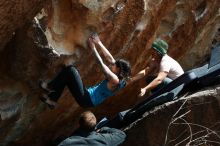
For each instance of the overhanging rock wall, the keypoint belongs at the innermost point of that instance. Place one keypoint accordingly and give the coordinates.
(126, 27)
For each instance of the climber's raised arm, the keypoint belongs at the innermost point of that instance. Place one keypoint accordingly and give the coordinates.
(104, 50)
(107, 72)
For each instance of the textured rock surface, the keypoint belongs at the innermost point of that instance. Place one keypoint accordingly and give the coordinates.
(126, 27)
(191, 120)
(14, 14)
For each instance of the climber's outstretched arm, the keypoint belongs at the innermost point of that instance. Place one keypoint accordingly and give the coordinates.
(104, 50)
(107, 72)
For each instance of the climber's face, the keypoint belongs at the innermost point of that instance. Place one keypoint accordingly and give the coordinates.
(156, 57)
(114, 69)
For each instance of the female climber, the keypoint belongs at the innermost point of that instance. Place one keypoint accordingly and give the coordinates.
(116, 76)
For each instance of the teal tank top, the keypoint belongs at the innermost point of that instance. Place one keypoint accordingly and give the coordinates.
(100, 92)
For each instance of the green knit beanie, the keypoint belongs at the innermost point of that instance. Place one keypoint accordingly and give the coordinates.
(160, 46)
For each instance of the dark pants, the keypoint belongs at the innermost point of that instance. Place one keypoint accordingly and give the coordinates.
(165, 82)
(70, 77)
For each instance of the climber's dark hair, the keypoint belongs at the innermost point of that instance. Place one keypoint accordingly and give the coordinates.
(125, 69)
